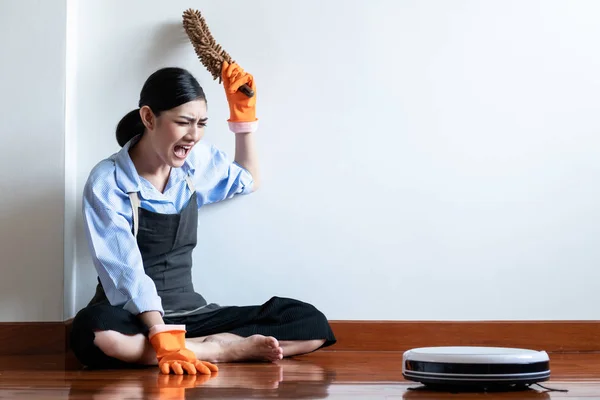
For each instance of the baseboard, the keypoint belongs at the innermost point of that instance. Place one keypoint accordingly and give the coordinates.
(22, 338)
(551, 336)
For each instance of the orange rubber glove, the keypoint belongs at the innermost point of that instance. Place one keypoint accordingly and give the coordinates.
(242, 109)
(169, 343)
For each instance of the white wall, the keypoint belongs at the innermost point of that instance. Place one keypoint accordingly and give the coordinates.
(32, 100)
(421, 159)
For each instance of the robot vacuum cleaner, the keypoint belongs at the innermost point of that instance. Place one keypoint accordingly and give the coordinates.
(483, 367)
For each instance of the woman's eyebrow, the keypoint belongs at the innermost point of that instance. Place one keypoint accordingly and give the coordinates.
(190, 119)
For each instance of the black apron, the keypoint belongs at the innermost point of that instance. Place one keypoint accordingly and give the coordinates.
(166, 242)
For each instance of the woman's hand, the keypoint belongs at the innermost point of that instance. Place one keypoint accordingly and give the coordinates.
(242, 109)
(242, 118)
(173, 357)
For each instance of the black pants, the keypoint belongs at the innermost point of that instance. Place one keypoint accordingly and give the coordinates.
(282, 318)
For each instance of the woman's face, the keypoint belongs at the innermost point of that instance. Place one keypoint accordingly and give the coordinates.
(176, 131)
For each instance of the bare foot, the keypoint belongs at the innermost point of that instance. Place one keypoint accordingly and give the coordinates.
(253, 348)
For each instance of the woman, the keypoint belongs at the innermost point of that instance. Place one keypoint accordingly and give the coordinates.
(140, 209)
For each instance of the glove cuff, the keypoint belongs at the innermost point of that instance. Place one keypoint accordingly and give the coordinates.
(243, 127)
(165, 328)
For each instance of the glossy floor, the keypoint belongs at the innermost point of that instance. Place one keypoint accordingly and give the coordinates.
(332, 375)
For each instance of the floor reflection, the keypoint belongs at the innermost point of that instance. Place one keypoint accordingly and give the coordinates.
(425, 393)
(285, 379)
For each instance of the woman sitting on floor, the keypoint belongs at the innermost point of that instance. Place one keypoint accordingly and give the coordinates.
(140, 208)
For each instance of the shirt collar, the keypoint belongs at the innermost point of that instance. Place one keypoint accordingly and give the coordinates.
(127, 176)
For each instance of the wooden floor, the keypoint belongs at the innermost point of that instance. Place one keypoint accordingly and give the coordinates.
(333, 375)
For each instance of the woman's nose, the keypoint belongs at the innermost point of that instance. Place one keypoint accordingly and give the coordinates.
(196, 133)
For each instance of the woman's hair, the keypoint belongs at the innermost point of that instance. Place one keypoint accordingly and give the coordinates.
(165, 89)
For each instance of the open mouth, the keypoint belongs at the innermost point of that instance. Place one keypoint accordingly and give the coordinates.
(182, 151)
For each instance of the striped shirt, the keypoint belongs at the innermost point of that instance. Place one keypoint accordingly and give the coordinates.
(107, 215)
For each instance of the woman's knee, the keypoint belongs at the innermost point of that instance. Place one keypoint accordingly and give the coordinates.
(309, 310)
(293, 305)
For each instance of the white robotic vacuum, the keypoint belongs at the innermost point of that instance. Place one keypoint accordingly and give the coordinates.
(475, 366)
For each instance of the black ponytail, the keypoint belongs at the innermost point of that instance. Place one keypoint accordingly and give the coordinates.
(165, 89)
(130, 126)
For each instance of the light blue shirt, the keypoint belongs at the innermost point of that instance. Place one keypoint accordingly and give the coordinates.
(108, 215)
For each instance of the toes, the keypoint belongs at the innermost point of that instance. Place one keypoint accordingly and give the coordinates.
(277, 353)
(271, 342)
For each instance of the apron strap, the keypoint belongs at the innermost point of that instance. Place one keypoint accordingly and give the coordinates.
(190, 183)
(135, 204)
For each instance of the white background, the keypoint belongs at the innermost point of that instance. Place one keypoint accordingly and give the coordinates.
(32, 126)
(421, 160)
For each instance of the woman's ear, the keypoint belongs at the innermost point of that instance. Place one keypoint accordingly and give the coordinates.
(148, 118)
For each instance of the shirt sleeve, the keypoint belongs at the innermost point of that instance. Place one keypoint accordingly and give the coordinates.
(117, 259)
(217, 178)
